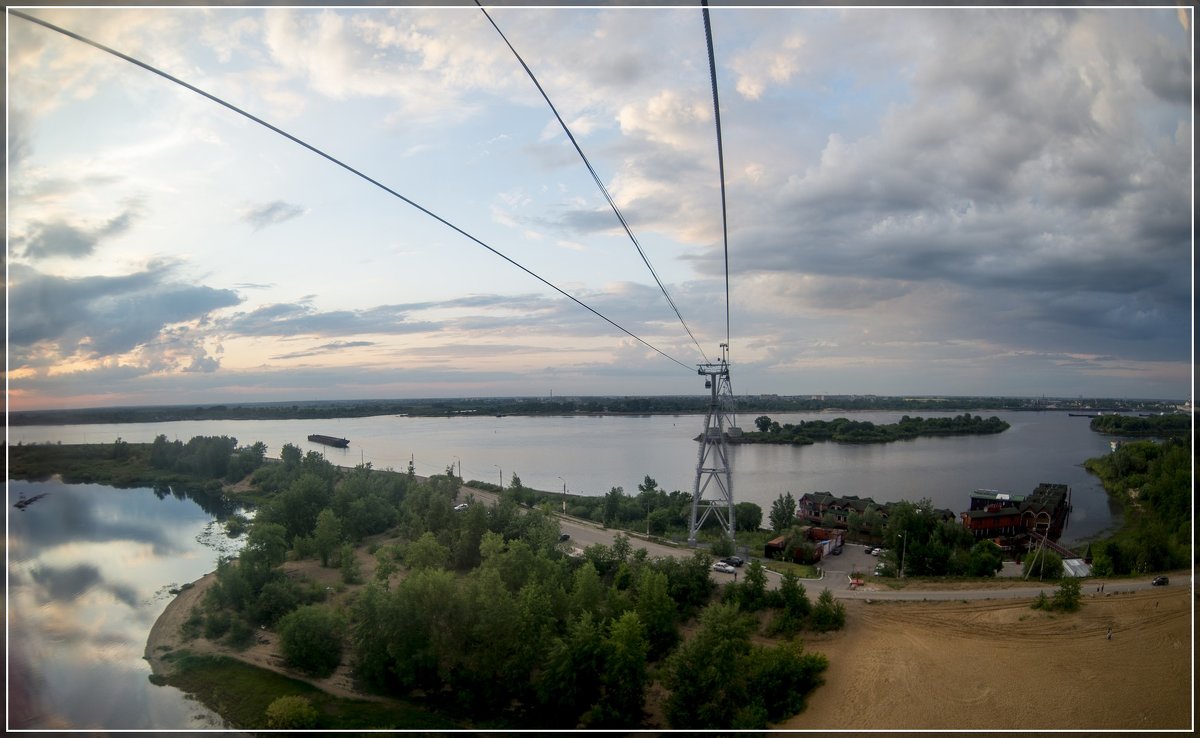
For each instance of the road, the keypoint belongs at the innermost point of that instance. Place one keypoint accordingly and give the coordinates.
(836, 575)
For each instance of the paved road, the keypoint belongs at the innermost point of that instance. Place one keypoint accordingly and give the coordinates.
(835, 575)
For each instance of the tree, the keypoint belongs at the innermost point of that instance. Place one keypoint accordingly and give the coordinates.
(763, 423)
(984, 560)
(351, 569)
(748, 515)
(310, 639)
(656, 611)
(702, 674)
(783, 513)
(1068, 596)
(623, 683)
(327, 535)
(291, 712)
(828, 614)
(426, 553)
(1043, 565)
(612, 505)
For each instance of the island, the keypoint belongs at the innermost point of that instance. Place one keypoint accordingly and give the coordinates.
(843, 430)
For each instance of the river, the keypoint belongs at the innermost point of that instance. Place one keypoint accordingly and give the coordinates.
(89, 571)
(590, 454)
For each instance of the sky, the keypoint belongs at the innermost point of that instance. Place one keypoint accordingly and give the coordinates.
(956, 201)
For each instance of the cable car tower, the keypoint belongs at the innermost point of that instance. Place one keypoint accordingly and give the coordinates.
(712, 492)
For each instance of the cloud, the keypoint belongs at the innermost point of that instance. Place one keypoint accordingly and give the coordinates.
(328, 348)
(271, 213)
(60, 238)
(102, 316)
(299, 319)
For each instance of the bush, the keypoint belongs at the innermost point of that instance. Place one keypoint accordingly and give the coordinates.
(311, 640)
(291, 713)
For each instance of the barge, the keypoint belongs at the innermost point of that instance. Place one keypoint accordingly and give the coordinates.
(329, 440)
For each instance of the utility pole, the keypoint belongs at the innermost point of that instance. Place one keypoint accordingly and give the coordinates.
(713, 462)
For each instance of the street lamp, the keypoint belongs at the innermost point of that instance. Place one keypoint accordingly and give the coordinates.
(501, 476)
(564, 498)
(459, 466)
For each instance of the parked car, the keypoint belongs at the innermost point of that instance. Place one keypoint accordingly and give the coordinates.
(460, 507)
(875, 551)
(734, 560)
(1160, 581)
(721, 566)
(564, 537)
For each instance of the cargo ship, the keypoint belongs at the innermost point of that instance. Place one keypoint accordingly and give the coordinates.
(329, 440)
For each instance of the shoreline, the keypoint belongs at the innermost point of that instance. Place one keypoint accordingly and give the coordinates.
(165, 637)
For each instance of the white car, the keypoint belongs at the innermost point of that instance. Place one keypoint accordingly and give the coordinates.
(721, 566)
(460, 507)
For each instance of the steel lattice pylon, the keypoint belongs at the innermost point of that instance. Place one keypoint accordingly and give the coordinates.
(713, 463)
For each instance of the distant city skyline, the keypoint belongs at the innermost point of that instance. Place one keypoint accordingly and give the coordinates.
(955, 202)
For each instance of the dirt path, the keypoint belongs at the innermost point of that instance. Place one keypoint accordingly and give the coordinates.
(1001, 665)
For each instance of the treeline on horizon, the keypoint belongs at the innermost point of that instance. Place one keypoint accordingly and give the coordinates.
(648, 405)
(843, 430)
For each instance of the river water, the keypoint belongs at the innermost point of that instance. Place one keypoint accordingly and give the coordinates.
(89, 571)
(590, 454)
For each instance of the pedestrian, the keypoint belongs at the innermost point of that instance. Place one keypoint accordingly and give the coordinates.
(1110, 632)
(1101, 589)
(735, 576)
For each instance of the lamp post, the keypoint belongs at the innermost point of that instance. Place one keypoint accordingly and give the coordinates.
(903, 546)
(501, 476)
(459, 467)
(564, 497)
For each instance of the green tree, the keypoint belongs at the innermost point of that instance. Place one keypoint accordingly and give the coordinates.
(291, 712)
(266, 542)
(623, 684)
(351, 569)
(570, 678)
(612, 505)
(310, 640)
(783, 513)
(1043, 565)
(748, 516)
(1068, 596)
(702, 674)
(984, 560)
(656, 611)
(426, 553)
(327, 535)
(828, 614)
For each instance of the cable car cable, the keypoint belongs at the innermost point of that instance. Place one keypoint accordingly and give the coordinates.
(343, 165)
(712, 68)
(595, 177)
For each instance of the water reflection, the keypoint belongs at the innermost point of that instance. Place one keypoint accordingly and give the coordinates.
(89, 569)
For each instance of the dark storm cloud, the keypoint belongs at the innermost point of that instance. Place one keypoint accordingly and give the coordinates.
(60, 238)
(1022, 172)
(103, 315)
(271, 213)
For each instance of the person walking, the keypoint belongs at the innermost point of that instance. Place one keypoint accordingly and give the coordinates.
(1110, 632)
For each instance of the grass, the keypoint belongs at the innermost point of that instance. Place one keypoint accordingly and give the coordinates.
(241, 694)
